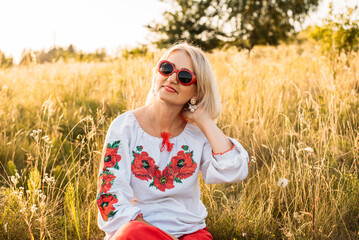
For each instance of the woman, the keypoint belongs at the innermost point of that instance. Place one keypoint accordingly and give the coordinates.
(148, 185)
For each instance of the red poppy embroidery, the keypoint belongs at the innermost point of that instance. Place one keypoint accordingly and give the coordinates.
(111, 156)
(163, 180)
(105, 204)
(106, 180)
(182, 165)
(143, 166)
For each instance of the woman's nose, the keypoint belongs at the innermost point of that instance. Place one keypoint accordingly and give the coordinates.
(173, 78)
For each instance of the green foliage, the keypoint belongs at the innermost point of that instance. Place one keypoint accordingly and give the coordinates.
(135, 52)
(244, 24)
(265, 22)
(339, 32)
(12, 167)
(194, 21)
(34, 181)
(71, 208)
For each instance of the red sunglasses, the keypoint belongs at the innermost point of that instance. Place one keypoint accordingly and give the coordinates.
(184, 76)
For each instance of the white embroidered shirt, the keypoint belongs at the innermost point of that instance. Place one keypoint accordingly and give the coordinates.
(137, 178)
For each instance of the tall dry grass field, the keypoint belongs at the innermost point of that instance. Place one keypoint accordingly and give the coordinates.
(298, 122)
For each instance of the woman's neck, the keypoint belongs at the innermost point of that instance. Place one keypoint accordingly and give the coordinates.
(165, 117)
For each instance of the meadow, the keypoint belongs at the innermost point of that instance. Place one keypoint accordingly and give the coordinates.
(293, 109)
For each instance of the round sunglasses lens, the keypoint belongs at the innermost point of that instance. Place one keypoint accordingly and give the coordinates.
(166, 68)
(185, 77)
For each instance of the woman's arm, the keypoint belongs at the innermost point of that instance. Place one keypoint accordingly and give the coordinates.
(218, 140)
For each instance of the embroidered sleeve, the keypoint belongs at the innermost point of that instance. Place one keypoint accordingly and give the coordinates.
(227, 167)
(223, 152)
(114, 190)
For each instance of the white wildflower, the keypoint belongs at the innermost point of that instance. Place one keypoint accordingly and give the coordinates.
(48, 180)
(28, 191)
(309, 150)
(36, 134)
(47, 139)
(253, 159)
(244, 234)
(14, 180)
(282, 182)
(33, 208)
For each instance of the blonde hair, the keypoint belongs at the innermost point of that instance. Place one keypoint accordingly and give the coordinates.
(207, 91)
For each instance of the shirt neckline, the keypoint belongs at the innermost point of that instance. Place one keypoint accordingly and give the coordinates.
(157, 138)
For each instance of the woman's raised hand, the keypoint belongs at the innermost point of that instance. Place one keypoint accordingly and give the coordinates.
(197, 116)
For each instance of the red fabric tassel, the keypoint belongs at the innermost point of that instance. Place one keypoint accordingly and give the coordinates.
(166, 141)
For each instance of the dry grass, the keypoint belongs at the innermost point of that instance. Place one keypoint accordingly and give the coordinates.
(283, 104)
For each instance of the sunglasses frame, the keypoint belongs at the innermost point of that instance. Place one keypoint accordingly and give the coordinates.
(194, 79)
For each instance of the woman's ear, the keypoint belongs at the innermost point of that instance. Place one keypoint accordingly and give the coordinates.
(196, 96)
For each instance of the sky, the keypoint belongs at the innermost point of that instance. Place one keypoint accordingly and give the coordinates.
(87, 24)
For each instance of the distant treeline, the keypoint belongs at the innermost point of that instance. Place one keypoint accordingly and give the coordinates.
(57, 54)
(69, 54)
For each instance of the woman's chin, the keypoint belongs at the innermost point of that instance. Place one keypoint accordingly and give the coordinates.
(169, 100)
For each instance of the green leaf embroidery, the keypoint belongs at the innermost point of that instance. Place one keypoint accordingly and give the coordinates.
(115, 144)
(111, 214)
(177, 180)
(185, 147)
(116, 166)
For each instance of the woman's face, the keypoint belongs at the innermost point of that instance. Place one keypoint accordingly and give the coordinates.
(168, 88)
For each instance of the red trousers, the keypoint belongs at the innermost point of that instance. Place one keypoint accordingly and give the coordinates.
(135, 230)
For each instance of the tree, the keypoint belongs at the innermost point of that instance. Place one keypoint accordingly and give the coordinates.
(339, 32)
(193, 20)
(259, 22)
(242, 23)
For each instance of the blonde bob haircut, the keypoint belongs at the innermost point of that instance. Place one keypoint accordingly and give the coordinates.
(207, 91)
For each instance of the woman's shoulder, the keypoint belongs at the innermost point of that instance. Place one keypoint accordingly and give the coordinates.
(123, 118)
(124, 123)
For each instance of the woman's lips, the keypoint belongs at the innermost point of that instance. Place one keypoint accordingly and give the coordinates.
(169, 89)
